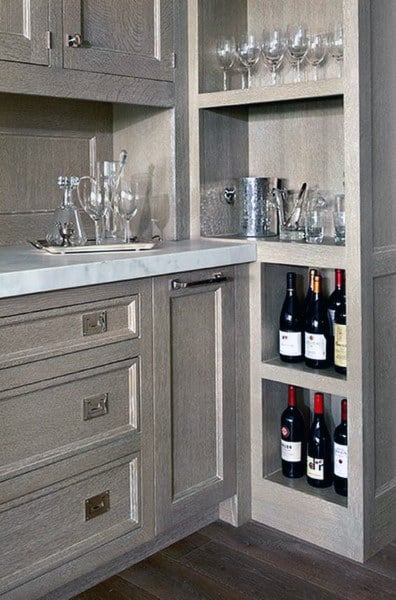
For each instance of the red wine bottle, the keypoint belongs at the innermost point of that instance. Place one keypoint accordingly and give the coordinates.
(290, 324)
(319, 466)
(335, 298)
(317, 330)
(340, 337)
(341, 453)
(292, 438)
(310, 293)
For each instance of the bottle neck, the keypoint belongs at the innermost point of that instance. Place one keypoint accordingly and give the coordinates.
(317, 288)
(344, 411)
(318, 405)
(292, 396)
(339, 279)
(67, 197)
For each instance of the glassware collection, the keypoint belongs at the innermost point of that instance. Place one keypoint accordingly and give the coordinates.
(314, 331)
(324, 461)
(295, 48)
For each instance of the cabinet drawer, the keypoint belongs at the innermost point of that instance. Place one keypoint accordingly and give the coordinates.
(69, 410)
(31, 335)
(68, 521)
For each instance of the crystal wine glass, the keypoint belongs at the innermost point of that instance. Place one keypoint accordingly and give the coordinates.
(127, 202)
(95, 199)
(336, 45)
(225, 56)
(316, 53)
(249, 49)
(296, 48)
(273, 50)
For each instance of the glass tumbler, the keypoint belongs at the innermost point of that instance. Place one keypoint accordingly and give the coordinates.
(339, 219)
(315, 225)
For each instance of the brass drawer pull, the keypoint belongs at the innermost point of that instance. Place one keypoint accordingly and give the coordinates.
(96, 406)
(97, 505)
(176, 284)
(94, 323)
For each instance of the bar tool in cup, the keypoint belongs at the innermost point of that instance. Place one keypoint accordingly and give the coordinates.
(66, 227)
(291, 209)
(339, 219)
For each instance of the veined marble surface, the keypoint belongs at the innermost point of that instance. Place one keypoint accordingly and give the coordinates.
(25, 270)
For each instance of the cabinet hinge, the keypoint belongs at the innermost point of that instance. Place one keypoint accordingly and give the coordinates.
(49, 39)
(173, 60)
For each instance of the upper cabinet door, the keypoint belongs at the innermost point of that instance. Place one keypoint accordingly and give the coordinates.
(24, 28)
(133, 38)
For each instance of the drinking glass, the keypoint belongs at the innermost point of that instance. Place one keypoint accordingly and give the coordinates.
(94, 194)
(127, 202)
(225, 56)
(273, 50)
(316, 53)
(336, 45)
(249, 49)
(314, 226)
(296, 48)
(339, 219)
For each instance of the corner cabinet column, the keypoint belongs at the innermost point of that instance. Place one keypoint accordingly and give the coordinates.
(194, 393)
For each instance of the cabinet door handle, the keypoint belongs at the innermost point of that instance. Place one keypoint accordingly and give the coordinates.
(177, 284)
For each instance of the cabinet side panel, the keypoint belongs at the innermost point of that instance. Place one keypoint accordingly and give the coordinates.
(193, 410)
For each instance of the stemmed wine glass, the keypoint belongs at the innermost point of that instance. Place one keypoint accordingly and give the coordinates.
(336, 45)
(225, 56)
(273, 50)
(248, 49)
(94, 195)
(316, 53)
(296, 48)
(127, 202)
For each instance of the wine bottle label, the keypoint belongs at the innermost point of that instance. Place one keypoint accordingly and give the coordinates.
(290, 343)
(340, 460)
(340, 345)
(315, 346)
(315, 468)
(332, 318)
(291, 451)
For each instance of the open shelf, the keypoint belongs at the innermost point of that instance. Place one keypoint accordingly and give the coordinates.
(301, 485)
(298, 374)
(277, 93)
(327, 255)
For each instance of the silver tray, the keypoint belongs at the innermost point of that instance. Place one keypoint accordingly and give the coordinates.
(92, 248)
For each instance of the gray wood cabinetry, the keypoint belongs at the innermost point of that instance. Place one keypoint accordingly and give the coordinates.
(24, 30)
(194, 393)
(133, 39)
(77, 431)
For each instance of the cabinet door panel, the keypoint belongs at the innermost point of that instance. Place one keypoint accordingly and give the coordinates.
(23, 31)
(128, 37)
(194, 380)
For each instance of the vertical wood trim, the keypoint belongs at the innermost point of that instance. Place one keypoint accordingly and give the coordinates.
(193, 52)
(157, 30)
(219, 384)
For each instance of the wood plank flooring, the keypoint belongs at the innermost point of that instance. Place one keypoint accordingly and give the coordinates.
(223, 563)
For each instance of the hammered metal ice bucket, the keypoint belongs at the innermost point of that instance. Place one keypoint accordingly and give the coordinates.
(253, 199)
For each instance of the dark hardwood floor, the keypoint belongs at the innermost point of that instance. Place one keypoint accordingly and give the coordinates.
(224, 563)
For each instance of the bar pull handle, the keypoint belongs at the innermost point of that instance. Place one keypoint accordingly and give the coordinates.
(177, 284)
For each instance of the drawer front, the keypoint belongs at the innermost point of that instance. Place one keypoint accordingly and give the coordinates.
(62, 412)
(69, 521)
(66, 329)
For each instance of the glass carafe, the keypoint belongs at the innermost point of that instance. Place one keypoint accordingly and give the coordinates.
(66, 228)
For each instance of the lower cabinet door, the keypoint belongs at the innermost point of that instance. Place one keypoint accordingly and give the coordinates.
(194, 382)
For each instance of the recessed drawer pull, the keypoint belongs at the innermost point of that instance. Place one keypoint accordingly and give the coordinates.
(94, 323)
(216, 278)
(97, 505)
(97, 406)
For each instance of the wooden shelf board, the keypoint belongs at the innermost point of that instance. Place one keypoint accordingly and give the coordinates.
(321, 380)
(326, 255)
(279, 93)
(301, 485)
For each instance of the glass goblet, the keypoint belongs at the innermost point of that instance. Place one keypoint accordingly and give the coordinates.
(273, 50)
(225, 56)
(296, 48)
(336, 45)
(316, 53)
(95, 200)
(249, 50)
(127, 202)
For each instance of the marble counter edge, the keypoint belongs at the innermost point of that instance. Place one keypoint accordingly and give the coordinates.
(44, 273)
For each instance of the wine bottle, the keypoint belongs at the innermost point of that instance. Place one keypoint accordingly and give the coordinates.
(292, 438)
(335, 298)
(340, 337)
(341, 453)
(310, 293)
(290, 324)
(319, 467)
(317, 330)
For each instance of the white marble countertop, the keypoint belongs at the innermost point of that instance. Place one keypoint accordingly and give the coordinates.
(25, 270)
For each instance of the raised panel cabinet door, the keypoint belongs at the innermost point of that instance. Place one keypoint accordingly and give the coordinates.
(194, 380)
(132, 38)
(24, 26)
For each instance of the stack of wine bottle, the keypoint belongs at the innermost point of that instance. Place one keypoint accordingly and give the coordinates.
(314, 331)
(322, 461)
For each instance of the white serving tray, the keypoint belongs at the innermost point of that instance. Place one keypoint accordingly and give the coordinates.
(42, 245)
